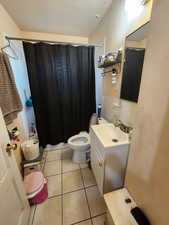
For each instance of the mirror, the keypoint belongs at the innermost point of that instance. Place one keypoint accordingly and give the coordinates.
(135, 46)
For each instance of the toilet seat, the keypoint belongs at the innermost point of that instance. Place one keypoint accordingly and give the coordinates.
(78, 140)
(80, 143)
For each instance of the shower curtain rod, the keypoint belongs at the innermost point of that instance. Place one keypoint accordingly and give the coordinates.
(55, 42)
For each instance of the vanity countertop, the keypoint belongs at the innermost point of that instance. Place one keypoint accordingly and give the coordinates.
(109, 135)
(118, 208)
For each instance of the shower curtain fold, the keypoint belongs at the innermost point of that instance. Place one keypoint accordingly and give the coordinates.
(62, 82)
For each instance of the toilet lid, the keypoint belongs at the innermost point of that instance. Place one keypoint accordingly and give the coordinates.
(33, 182)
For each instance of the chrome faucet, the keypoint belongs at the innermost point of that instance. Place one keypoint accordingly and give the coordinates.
(117, 123)
(122, 126)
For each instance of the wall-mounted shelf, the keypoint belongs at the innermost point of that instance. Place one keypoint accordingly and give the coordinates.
(114, 73)
(108, 64)
(110, 59)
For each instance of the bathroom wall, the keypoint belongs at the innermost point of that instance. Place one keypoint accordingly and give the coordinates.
(111, 32)
(8, 27)
(148, 167)
(54, 37)
(136, 44)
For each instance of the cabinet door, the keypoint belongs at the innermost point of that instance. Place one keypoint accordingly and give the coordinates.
(98, 169)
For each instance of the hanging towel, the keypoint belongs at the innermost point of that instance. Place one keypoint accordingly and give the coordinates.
(10, 102)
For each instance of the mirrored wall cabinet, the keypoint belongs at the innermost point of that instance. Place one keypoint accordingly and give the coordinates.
(135, 47)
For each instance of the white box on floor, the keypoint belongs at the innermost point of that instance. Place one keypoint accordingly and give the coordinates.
(118, 209)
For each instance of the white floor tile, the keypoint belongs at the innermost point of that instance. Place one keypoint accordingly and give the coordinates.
(87, 222)
(52, 168)
(53, 155)
(32, 211)
(54, 185)
(96, 201)
(49, 212)
(83, 165)
(88, 177)
(72, 181)
(67, 153)
(68, 166)
(75, 207)
(99, 220)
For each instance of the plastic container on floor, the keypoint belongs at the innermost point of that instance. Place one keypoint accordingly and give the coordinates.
(40, 197)
(36, 187)
(30, 149)
(31, 168)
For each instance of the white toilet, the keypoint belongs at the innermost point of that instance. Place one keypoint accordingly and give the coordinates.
(80, 143)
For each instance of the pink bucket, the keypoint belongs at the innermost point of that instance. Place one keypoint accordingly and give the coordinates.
(40, 197)
(36, 187)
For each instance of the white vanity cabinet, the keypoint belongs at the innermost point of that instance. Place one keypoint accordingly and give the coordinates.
(108, 159)
(98, 167)
(118, 211)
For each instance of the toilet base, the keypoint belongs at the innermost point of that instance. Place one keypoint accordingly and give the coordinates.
(79, 157)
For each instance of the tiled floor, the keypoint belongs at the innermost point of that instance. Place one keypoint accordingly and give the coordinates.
(73, 195)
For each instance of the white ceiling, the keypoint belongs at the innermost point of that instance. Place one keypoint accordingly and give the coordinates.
(70, 17)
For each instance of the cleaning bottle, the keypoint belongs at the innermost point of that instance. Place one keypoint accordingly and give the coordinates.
(99, 110)
(32, 132)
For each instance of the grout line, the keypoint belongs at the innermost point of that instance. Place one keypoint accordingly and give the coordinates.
(62, 194)
(88, 219)
(62, 172)
(53, 160)
(93, 185)
(81, 221)
(42, 165)
(70, 171)
(80, 189)
(73, 191)
(81, 174)
(53, 175)
(69, 192)
(99, 215)
(44, 162)
(55, 196)
(54, 150)
(33, 215)
(86, 196)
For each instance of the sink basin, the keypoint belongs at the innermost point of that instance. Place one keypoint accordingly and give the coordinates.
(110, 136)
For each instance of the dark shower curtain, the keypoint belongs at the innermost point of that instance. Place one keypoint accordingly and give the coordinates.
(62, 82)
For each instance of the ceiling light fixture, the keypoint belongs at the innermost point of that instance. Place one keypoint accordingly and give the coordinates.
(133, 8)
